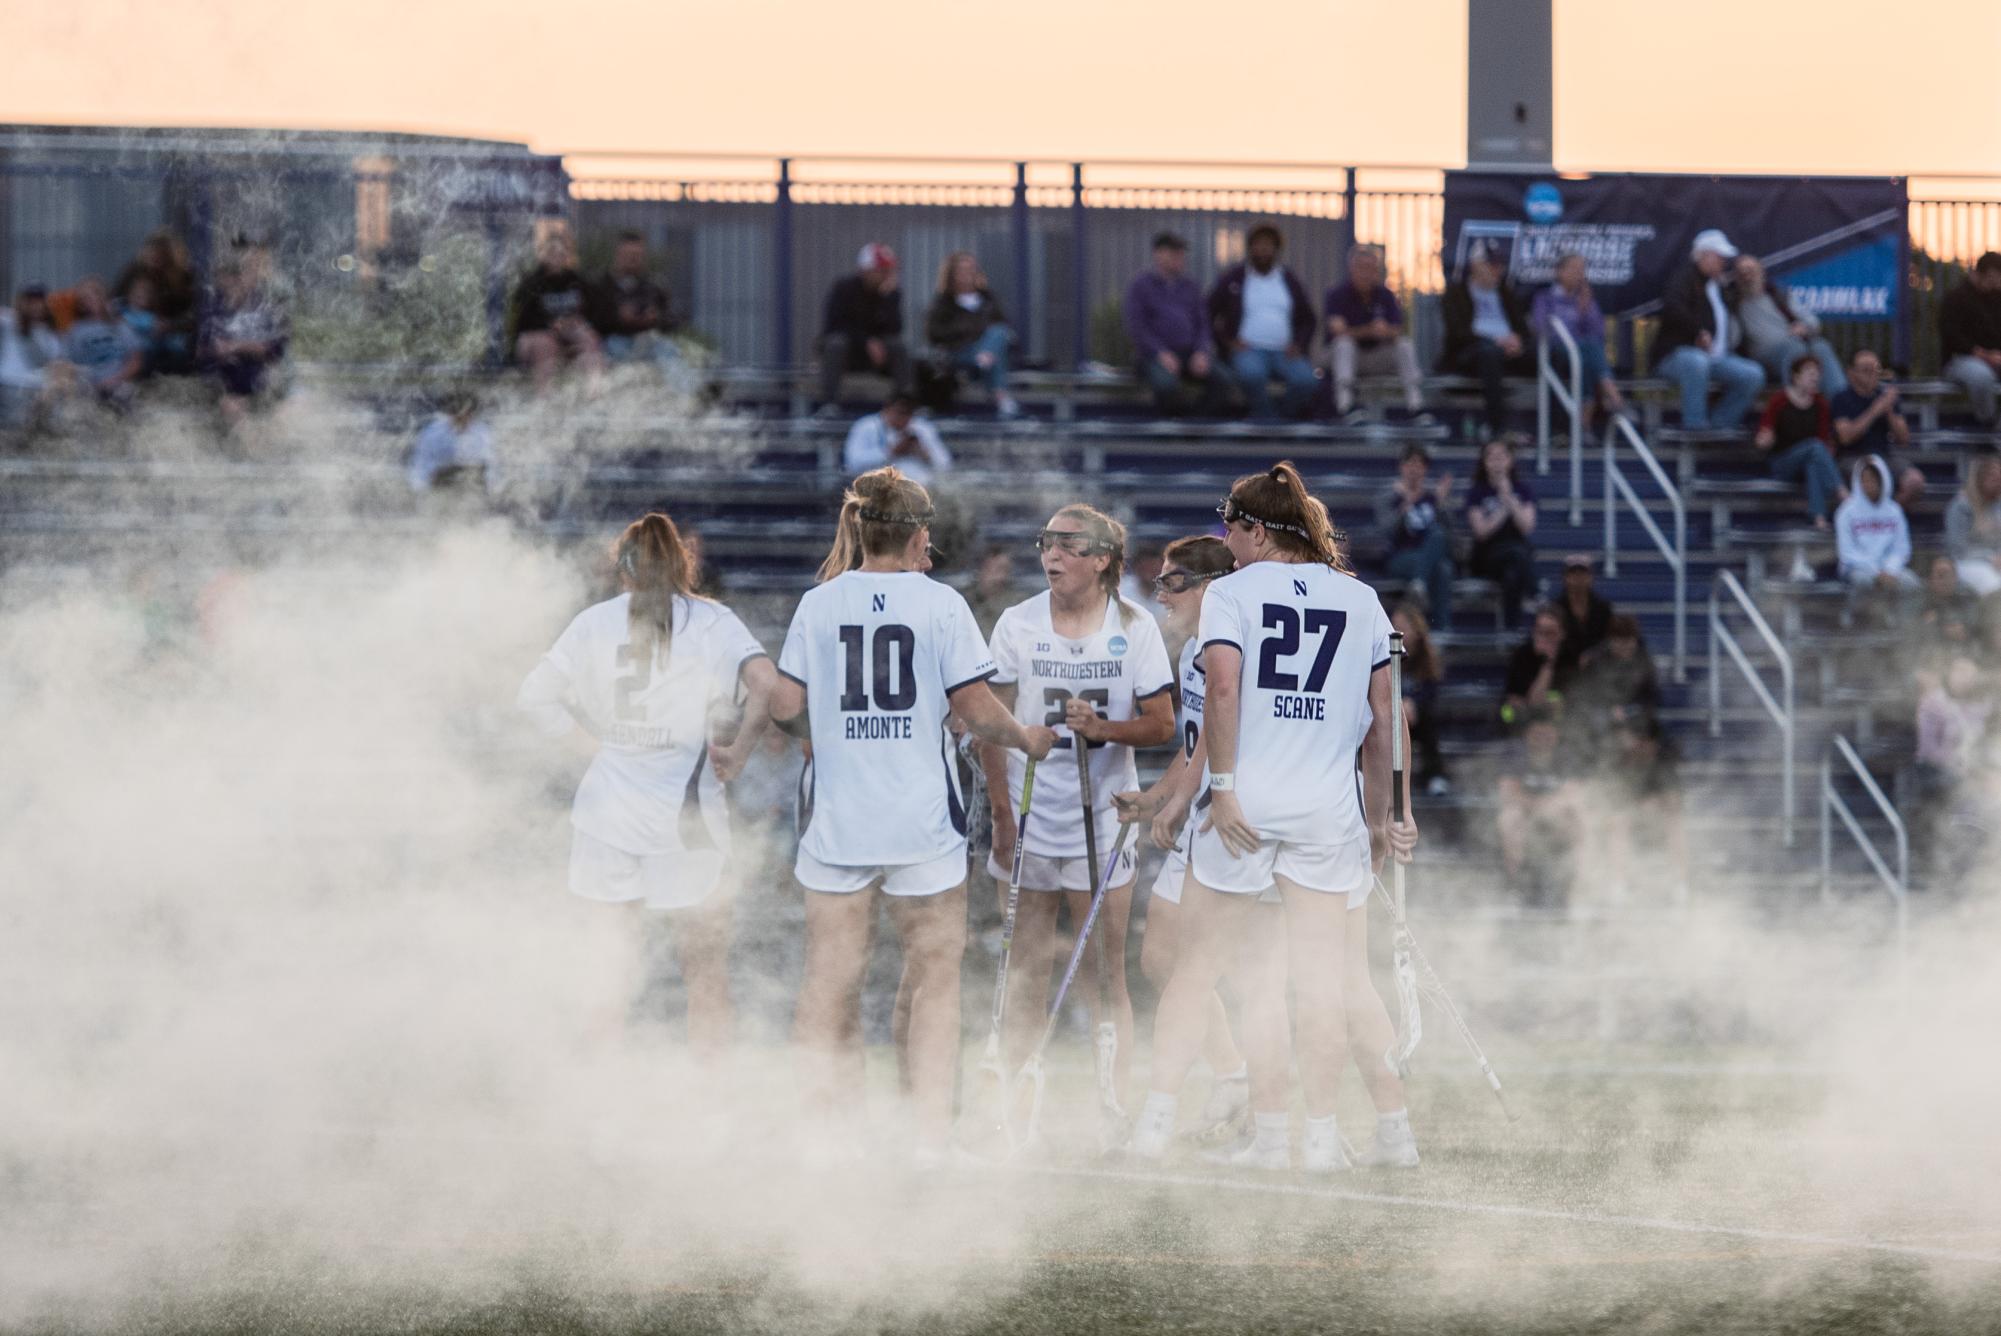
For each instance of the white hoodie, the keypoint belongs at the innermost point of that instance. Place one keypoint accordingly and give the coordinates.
(1871, 537)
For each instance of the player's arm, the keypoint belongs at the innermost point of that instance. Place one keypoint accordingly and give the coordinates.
(787, 707)
(1150, 727)
(993, 764)
(1225, 663)
(759, 680)
(993, 722)
(1142, 805)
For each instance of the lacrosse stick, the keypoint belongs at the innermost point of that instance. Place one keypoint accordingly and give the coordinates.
(990, 1060)
(1111, 1118)
(1428, 982)
(1031, 1071)
(1410, 1016)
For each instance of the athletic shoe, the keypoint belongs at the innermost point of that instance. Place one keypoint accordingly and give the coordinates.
(1229, 1101)
(1248, 1154)
(1151, 1139)
(1007, 406)
(1323, 1153)
(1439, 787)
(1387, 1153)
(1357, 417)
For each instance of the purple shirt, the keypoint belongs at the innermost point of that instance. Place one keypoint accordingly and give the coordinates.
(1579, 315)
(1167, 313)
(1347, 302)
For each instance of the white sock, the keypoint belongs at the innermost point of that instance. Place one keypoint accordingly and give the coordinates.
(1394, 1126)
(1322, 1129)
(1273, 1129)
(1243, 1073)
(1160, 1110)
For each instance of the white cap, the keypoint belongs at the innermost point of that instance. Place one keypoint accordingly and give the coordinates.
(1712, 239)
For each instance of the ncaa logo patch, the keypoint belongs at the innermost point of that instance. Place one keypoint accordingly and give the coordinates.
(1543, 203)
(1117, 645)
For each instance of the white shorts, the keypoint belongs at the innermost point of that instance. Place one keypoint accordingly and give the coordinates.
(678, 880)
(1167, 882)
(905, 879)
(1332, 869)
(1043, 872)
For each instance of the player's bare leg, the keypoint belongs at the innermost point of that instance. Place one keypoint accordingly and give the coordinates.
(1035, 954)
(1214, 925)
(827, 1020)
(933, 929)
(701, 943)
(1156, 962)
(1371, 1032)
(1316, 929)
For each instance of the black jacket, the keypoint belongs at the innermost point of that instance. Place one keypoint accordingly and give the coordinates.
(858, 313)
(1686, 313)
(1457, 310)
(542, 298)
(1226, 309)
(641, 309)
(951, 326)
(1967, 319)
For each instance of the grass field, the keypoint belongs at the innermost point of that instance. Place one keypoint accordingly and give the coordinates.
(1649, 1196)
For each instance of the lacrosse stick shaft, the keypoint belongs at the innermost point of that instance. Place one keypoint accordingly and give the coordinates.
(1013, 898)
(1432, 984)
(1083, 935)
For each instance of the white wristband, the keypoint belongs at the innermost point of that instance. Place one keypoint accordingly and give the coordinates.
(1223, 783)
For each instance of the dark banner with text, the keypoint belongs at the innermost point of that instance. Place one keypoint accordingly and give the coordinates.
(1833, 242)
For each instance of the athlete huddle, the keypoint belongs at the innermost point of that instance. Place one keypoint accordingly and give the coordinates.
(1275, 807)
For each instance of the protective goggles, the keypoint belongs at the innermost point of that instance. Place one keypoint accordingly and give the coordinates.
(1180, 582)
(1232, 515)
(1076, 544)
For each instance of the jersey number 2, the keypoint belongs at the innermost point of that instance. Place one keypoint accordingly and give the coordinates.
(1328, 625)
(1056, 698)
(623, 707)
(895, 668)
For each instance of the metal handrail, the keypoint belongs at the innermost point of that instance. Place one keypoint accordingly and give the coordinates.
(1783, 714)
(1898, 884)
(1547, 382)
(1675, 550)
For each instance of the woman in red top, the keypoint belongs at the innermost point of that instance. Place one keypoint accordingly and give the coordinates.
(1793, 436)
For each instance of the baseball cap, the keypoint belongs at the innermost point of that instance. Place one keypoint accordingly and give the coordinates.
(875, 255)
(1712, 239)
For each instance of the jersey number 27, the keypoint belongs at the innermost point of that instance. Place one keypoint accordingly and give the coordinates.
(1287, 621)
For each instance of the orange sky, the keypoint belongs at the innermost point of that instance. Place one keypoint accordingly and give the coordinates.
(1809, 85)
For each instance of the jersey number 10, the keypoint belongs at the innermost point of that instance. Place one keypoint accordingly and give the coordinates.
(894, 663)
(1327, 624)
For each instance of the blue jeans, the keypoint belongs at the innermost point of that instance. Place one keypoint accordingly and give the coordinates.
(1592, 354)
(1256, 368)
(1217, 387)
(1695, 370)
(997, 340)
(1778, 363)
(1430, 563)
(1810, 460)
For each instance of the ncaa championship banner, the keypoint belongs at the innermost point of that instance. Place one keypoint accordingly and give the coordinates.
(1832, 242)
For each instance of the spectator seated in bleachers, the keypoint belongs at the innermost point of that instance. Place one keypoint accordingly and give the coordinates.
(1411, 516)
(1955, 709)
(244, 332)
(1698, 331)
(1969, 334)
(454, 449)
(1793, 435)
(1949, 616)
(108, 356)
(1260, 314)
(1973, 527)
(862, 327)
(1501, 513)
(1541, 812)
(1615, 684)
(1587, 614)
(1423, 679)
(1866, 422)
(166, 349)
(1486, 332)
(992, 591)
(170, 296)
(1366, 335)
(1169, 329)
(629, 310)
(968, 328)
(34, 375)
(1776, 333)
(1640, 776)
(1872, 537)
(546, 313)
(896, 435)
(1570, 302)
(1535, 679)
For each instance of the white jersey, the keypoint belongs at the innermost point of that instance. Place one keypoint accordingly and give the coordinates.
(1188, 710)
(879, 654)
(1311, 639)
(1115, 667)
(649, 789)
